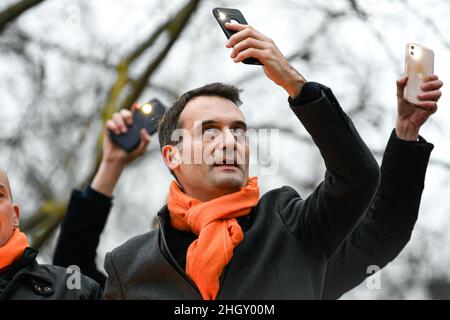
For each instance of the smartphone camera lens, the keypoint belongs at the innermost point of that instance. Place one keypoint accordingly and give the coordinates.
(412, 47)
(412, 53)
(222, 16)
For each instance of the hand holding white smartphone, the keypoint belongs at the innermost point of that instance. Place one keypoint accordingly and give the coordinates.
(419, 64)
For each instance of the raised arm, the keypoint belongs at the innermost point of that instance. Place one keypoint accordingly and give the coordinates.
(88, 211)
(386, 228)
(324, 219)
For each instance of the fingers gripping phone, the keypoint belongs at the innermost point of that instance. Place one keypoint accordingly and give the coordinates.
(419, 63)
(224, 15)
(147, 116)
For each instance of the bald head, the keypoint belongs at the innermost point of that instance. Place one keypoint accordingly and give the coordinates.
(9, 211)
(4, 181)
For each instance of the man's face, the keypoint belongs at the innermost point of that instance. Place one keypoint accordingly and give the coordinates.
(214, 149)
(9, 212)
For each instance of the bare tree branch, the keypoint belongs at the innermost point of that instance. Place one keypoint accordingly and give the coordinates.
(173, 27)
(357, 9)
(305, 50)
(52, 210)
(16, 10)
(428, 22)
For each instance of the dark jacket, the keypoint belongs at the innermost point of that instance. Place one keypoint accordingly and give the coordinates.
(285, 251)
(386, 228)
(28, 280)
(80, 232)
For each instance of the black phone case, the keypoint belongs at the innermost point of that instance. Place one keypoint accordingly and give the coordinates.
(132, 138)
(233, 14)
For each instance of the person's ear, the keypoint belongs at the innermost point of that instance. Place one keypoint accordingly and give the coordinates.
(171, 156)
(16, 209)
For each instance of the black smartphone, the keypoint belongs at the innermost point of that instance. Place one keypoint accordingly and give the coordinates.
(223, 15)
(147, 116)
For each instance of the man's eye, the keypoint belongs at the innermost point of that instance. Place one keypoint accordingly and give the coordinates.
(211, 132)
(239, 132)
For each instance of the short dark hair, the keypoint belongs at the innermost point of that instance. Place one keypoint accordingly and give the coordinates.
(171, 120)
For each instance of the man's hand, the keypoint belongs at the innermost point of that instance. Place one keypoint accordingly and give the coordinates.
(115, 158)
(118, 125)
(411, 117)
(247, 42)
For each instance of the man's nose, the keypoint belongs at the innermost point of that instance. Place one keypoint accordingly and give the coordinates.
(228, 140)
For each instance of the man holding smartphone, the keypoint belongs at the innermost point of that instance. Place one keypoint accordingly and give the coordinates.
(387, 226)
(88, 210)
(278, 246)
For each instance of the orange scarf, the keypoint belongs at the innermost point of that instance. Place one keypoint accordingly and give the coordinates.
(13, 249)
(217, 229)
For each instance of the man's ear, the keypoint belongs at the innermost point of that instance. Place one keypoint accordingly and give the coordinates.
(16, 209)
(171, 156)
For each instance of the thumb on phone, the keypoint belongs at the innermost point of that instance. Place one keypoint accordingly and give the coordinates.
(135, 106)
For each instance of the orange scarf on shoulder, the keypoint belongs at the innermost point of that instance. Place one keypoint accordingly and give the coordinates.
(215, 224)
(13, 249)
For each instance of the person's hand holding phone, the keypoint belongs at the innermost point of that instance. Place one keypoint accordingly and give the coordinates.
(115, 159)
(410, 117)
(249, 43)
(118, 124)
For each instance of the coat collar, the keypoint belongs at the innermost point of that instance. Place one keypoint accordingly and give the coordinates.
(26, 269)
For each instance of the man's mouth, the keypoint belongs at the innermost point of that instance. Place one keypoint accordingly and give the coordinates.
(224, 164)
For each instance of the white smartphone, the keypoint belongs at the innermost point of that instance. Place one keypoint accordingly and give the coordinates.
(419, 63)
